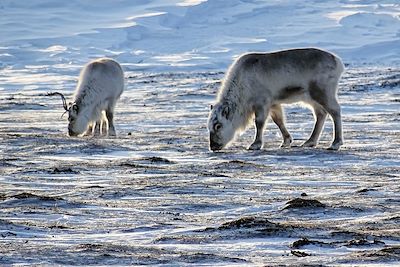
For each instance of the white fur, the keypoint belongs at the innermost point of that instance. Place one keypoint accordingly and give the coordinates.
(100, 85)
(257, 84)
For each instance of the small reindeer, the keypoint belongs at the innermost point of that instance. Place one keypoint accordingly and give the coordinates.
(100, 85)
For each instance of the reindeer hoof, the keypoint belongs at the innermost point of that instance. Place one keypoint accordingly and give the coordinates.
(285, 145)
(255, 146)
(335, 146)
(309, 143)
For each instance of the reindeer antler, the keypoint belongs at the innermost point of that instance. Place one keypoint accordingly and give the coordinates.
(62, 98)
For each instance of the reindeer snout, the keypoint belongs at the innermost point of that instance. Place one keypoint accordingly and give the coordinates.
(215, 146)
(71, 133)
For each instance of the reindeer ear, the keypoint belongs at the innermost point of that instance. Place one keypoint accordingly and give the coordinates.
(226, 112)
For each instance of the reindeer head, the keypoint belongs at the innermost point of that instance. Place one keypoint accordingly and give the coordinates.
(220, 125)
(77, 125)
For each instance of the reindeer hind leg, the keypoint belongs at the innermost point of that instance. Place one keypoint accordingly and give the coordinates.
(328, 100)
(320, 117)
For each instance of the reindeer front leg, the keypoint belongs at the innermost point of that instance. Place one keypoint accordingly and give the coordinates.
(279, 119)
(97, 128)
(261, 115)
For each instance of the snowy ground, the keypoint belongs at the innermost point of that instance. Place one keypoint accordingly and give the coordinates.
(155, 195)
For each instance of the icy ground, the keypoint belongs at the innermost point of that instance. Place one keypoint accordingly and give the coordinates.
(156, 195)
(160, 35)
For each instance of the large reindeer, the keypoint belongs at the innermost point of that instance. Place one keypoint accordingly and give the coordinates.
(258, 83)
(100, 85)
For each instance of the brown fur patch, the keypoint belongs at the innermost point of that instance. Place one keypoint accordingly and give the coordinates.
(290, 91)
(317, 93)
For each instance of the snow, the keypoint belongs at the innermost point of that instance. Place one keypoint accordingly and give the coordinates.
(156, 195)
(193, 35)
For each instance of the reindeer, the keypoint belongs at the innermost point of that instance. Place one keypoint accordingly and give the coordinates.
(257, 84)
(101, 83)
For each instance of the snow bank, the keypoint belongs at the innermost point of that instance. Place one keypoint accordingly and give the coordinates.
(155, 35)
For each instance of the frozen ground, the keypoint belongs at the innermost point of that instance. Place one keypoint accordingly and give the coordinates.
(155, 195)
